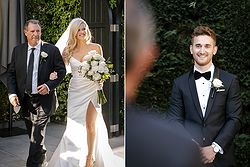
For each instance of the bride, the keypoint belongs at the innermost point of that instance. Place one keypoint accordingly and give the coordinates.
(85, 140)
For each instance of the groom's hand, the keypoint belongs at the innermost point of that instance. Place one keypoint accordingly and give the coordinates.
(207, 154)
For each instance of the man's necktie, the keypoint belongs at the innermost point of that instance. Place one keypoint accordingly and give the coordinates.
(206, 75)
(28, 84)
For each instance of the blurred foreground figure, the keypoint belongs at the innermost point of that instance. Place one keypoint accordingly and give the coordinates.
(150, 141)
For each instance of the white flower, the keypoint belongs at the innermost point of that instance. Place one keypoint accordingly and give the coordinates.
(94, 63)
(85, 66)
(90, 72)
(106, 70)
(218, 86)
(44, 54)
(102, 58)
(102, 63)
(96, 77)
(97, 56)
(95, 68)
(101, 69)
(87, 57)
(217, 83)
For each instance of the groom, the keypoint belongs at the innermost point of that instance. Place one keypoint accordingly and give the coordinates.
(206, 101)
(29, 86)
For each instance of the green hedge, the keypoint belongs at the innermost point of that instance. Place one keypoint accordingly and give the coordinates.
(54, 15)
(175, 20)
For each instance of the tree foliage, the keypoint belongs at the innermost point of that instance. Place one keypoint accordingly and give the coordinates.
(54, 16)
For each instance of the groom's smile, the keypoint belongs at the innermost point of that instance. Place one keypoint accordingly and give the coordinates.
(203, 48)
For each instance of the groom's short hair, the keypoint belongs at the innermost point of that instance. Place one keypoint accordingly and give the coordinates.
(204, 30)
(33, 21)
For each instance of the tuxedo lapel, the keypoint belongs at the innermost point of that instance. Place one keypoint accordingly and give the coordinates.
(193, 90)
(212, 95)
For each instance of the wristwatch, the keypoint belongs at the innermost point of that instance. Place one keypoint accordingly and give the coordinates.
(215, 148)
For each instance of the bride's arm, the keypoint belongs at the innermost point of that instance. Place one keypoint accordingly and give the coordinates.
(65, 57)
(66, 62)
(98, 48)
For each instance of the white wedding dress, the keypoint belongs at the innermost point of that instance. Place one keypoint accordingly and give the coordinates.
(72, 149)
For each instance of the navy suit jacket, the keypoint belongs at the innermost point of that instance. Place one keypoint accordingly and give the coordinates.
(222, 117)
(17, 73)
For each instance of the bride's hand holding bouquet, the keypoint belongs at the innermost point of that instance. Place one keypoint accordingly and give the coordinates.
(96, 68)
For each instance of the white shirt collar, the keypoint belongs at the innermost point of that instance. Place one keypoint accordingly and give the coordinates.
(37, 46)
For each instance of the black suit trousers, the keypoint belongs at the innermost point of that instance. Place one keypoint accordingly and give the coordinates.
(36, 121)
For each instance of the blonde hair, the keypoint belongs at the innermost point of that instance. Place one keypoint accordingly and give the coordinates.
(72, 41)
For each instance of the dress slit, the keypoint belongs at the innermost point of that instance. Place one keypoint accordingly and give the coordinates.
(72, 149)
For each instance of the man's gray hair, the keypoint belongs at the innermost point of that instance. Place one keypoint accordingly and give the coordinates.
(33, 21)
(140, 27)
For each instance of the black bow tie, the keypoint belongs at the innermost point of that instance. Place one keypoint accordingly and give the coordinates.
(206, 75)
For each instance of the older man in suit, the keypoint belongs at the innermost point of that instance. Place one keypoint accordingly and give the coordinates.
(30, 87)
(207, 102)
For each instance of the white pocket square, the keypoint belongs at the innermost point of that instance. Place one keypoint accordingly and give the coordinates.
(220, 90)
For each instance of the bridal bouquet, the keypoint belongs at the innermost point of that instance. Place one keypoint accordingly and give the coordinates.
(96, 68)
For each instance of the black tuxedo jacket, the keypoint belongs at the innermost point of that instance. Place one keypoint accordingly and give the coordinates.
(222, 118)
(17, 73)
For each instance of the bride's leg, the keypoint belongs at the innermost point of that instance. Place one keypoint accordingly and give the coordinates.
(90, 124)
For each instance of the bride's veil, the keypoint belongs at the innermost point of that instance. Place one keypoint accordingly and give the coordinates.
(61, 43)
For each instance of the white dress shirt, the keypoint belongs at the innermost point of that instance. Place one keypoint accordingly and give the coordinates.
(203, 87)
(35, 67)
(36, 64)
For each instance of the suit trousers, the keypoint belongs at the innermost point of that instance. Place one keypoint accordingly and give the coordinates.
(36, 123)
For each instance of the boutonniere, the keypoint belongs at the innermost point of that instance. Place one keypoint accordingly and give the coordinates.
(217, 86)
(44, 56)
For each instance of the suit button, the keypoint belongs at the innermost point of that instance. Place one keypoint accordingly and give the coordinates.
(204, 125)
(204, 139)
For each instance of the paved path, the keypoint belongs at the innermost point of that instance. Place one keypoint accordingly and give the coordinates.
(14, 149)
